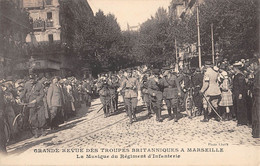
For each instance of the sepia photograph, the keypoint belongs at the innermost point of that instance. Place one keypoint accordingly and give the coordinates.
(129, 82)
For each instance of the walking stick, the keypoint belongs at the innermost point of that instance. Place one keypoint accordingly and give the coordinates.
(211, 106)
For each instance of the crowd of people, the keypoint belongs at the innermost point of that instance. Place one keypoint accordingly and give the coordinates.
(223, 92)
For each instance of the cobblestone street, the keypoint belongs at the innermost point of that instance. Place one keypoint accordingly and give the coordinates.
(90, 129)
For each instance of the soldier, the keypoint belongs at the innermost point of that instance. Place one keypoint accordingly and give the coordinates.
(86, 90)
(211, 90)
(131, 94)
(196, 81)
(145, 95)
(34, 97)
(113, 86)
(122, 90)
(155, 92)
(104, 94)
(171, 93)
(24, 96)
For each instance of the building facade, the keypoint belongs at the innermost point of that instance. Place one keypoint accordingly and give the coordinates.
(46, 41)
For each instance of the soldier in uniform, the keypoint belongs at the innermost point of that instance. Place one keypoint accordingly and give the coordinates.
(34, 96)
(145, 95)
(104, 94)
(131, 95)
(122, 90)
(113, 86)
(211, 90)
(86, 90)
(171, 93)
(155, 92)
(196, 81)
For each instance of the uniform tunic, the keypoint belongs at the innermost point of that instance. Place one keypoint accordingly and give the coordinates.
(171, 88)
(131, 92)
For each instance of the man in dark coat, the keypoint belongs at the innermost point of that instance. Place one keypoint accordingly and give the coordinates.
(240, 92)
(196, 81)
(155, 92)
(256, 105)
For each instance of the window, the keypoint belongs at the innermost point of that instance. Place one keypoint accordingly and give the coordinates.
(50, 38)
(48, 2)
(49, 15)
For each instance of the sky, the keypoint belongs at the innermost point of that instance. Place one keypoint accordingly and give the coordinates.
(133, 12)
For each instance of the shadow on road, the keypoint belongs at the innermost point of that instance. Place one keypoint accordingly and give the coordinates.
(21, 148)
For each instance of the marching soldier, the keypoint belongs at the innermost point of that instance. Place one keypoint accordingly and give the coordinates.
(122, 90)
(113, 86)
(171, 93)
(146, 98)
(104, 93)
(131, 95)
(86, 90)
(155, 92)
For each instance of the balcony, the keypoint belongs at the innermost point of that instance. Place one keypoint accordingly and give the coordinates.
(49, 23)
(33, 4)
(38, 24)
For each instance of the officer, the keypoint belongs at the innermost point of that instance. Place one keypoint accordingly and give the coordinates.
(155, 92)
(210, 90)
(145, 95)
(171, 93)
(102, 88)
(131, 94)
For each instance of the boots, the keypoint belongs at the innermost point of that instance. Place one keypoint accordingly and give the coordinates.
(159, 115)
(169, 114)
(206, 119)
(134, 117)
(36, 133)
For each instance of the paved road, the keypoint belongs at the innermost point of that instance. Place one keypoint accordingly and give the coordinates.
(90, 129)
